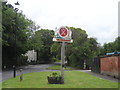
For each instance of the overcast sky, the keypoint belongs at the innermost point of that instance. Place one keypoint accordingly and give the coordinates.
(98, 17)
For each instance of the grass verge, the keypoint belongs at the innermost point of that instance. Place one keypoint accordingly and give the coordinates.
(58, 67)
(73, 79)
(0, 85)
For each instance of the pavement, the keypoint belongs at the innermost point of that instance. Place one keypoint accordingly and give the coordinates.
(42, 67)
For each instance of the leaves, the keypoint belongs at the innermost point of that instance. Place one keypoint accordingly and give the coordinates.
(15, 34)
(41, 41)
(110, 47)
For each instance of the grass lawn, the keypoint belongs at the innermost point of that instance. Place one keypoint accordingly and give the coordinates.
(58, 67)
(73, 79)
(0, 85)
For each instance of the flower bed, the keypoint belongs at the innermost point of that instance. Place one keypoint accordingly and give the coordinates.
(54, 78)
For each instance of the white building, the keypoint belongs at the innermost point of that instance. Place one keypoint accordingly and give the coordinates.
(32, 56)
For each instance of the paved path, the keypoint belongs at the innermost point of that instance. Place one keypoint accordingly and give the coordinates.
(42, 67)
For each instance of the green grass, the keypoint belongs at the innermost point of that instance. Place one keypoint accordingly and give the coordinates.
(58, 67)
(73, 79)
(0, 85)
(57, 60)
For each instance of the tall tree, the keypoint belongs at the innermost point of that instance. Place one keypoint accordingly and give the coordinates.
(15, 34)
(110, 47)
(82, 49)
(41, 42)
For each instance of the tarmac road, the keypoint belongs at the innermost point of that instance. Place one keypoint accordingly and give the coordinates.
(26, 69)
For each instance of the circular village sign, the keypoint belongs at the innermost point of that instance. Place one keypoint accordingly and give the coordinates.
(63, 35)
(63, 32)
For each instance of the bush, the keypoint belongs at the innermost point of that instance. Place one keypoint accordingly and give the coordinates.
(55, 60)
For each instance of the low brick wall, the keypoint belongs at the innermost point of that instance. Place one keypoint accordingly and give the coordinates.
(110, 65)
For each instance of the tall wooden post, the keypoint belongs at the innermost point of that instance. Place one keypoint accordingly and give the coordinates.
(62, 60)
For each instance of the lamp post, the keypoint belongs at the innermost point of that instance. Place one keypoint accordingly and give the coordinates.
(16, 10)
(4, 1)
(16, 6)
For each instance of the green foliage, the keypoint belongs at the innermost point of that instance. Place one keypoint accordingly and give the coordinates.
(117, 44)
(41, 42)
(82, 48)
(54, 59)
(54, 74)
(55, 51)
(15, 34)
(110, 47)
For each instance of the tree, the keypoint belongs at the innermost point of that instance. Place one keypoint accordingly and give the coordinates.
(41, 42)
(117, 44)
(15, 34)
(110, 47)
(55, 51)
(82, 49)
(79, 36)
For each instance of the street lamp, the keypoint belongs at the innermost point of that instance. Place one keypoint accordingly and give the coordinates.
(16, 6)
(16, 10)
(4, 1)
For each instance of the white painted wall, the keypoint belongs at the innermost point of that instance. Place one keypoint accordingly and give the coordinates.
(32, 56)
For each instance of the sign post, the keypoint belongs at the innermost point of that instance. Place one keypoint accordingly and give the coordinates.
(63, 35)
(62, 60)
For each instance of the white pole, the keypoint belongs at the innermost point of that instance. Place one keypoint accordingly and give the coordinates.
(62, 60)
